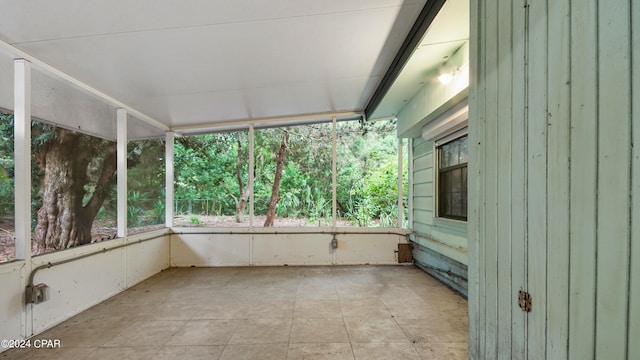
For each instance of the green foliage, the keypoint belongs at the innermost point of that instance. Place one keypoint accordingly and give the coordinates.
(367, 191)
(145, 181)
(194, 220)
(135, 211)
(6, 165)
(159, 208)
(207, 169)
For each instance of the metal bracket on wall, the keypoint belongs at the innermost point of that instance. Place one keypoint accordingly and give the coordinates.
(524, 301)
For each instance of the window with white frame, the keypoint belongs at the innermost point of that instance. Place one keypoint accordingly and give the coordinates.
(452, 154)
(449, 135)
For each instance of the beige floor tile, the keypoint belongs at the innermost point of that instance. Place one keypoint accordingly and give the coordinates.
(373, 351)
(324, 351)
(255, 352)
(375, 331)
(418, 330)
(341, 312)
(319, 292)
(91, 333)
(317, 309)
(146, 333)
(261, 331)
(179, 310)
(204, 332)
(270, 309)
(448, 351)
(227, 309)
(189, 352)
(43, 354)
(358, 291)
(364, 308)
(318, 330)
(120, 353)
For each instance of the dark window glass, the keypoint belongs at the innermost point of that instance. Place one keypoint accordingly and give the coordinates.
(452, 179)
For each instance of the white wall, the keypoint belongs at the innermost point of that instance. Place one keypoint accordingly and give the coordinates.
(201, 247)
(11, 300)
(79, 284)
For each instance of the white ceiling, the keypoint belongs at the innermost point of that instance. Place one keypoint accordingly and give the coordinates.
(188, 63)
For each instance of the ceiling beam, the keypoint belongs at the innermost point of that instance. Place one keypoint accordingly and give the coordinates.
(17, 53)
(265, 122)
(411, 42)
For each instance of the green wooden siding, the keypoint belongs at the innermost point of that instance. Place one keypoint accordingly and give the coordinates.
(554, 179)
(441, 244)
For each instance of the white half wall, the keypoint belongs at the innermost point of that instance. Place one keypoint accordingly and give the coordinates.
(79, 284)
(237, 247)
(11, 300)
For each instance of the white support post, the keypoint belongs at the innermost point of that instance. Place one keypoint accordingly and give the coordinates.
(22, 160)
(168, 186)
(410, 182)
(121, 119)
(251, 173)
(251, 193)
(22, 155)
(334, 174)
(400, 184)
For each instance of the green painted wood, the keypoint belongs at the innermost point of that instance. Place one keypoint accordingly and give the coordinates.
(425, 161)
(480, 123)
(424, 217)
(558, 207)
(491, 179)
(503, 181)
(422, 189)
(446, 250)
(423, 203)
(613, 179)
(444, 268)
(518, 180)
(634, 292)
(421, 147)
(582, 260)
(536, 178)
(453, 227)
(475, 301)
(423, 176)
(443, 236)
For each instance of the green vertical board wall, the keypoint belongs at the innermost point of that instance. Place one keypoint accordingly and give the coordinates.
(555, 179)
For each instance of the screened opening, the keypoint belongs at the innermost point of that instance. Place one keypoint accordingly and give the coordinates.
(145, 185)
(73, 188)
(7, 217)
(368, 173)
(211, 180)
(292, 177)
(293, 186)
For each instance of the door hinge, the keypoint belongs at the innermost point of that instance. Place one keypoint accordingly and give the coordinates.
(524, 301)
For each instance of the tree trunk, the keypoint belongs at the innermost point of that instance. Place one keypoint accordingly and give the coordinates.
(271, 213)
(63, 221)
(241, 203)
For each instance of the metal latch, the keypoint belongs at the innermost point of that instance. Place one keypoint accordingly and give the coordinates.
(524, 301)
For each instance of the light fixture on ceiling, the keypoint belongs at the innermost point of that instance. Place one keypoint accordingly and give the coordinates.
(445, 78)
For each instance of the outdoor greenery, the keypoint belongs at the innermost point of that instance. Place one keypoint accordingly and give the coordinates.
(292, 178)
(214, 167)
(6, 165)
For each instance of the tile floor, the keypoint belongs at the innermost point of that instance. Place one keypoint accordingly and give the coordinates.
(351, 312)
